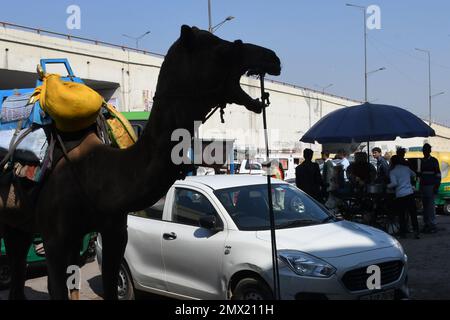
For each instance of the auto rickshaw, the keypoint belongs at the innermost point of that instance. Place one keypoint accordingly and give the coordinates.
(443, 197)
(36, 256)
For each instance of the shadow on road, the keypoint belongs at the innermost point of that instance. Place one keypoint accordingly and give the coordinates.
(96, 285)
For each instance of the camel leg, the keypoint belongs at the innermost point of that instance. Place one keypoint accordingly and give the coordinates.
(60, 255)
(114, 242)
(17, 244)
(56, 252)
(74, 259)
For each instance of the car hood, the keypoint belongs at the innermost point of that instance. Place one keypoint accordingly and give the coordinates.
(331, 239)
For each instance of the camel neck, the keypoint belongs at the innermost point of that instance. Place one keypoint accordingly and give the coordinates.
(147, 166)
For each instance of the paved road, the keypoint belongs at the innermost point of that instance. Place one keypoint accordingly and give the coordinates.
(36, 285)
(429, 270)
(429, 263)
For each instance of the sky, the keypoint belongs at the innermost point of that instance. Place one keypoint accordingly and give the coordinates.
(320, 42)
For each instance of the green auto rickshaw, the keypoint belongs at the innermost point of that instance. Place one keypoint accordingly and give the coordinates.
(36, 256)
(443, 197)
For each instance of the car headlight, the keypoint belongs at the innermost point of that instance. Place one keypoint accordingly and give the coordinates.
(306, 265)
(397, 245)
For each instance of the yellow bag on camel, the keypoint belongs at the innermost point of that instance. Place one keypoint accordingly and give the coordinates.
(120, 129)
(73, 106)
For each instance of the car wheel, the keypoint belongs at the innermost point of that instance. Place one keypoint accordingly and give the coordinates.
(446, 208)
(5, 274)
(125, 290)
(252, 289)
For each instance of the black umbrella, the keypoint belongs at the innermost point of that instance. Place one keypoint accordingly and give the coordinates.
(367, 122)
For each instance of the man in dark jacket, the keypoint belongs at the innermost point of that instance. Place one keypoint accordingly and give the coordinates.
(430, 180)
(307, 176)
(382, 166)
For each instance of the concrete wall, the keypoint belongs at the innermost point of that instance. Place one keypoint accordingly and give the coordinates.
(441, 142)
(130, 78)
(292, 112)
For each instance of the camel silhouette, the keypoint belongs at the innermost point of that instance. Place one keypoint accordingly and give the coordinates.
(95, 190)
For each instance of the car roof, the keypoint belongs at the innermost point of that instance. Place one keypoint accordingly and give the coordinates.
(217, 182)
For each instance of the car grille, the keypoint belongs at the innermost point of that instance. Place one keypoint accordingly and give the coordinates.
(356, 279)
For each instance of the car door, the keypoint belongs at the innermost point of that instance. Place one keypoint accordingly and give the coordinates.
(143, 253)
(193, 255)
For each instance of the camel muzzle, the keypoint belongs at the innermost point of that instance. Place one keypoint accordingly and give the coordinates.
(259, 60)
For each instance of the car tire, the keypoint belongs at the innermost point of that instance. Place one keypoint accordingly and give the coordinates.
(125, 288)
(252, 289)
(446, 208)
(5, 274)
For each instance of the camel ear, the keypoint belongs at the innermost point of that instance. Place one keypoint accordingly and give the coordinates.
(187, 36)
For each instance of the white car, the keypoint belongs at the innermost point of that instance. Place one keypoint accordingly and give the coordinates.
(210, 239)
(251, 167)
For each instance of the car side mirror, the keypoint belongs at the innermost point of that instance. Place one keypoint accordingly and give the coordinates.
(211, 223)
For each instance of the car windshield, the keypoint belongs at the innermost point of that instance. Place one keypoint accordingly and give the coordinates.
(248, 207)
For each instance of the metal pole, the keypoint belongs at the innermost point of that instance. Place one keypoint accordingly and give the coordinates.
(365, 56)
(276, 275)
(429, 87)
(365, 75)
(209, 17)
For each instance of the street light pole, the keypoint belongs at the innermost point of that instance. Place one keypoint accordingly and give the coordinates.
(137, 38)
(217, 26)
(212, 28)
(365, 56)
(428, 52)
(326, 87)
(365, 46)
(209, 17)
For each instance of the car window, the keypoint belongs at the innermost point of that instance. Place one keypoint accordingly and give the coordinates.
(154, 212)
(249, 209)
(189, 206)
(252, 166)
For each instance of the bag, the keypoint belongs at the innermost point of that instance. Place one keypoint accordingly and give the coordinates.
(120, 130)
(15, 107)
(73, 106)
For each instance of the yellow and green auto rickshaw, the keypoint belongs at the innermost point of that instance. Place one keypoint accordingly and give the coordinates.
(443, 198)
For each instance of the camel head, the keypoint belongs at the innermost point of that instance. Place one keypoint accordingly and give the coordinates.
(207, 70)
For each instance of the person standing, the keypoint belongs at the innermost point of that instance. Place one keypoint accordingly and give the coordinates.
(307, 176)
(400, 179)
(401, 152)
(327, 173)
(277, 170)
(342, 155)
(360, 172)
(430, 180)
(382, 167)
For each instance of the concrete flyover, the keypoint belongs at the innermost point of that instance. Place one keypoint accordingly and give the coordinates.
(128, 78)
(125, 75)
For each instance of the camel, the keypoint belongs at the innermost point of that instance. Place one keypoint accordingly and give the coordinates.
(99, 185)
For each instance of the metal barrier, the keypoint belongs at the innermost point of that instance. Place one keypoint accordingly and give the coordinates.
(71, 37)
